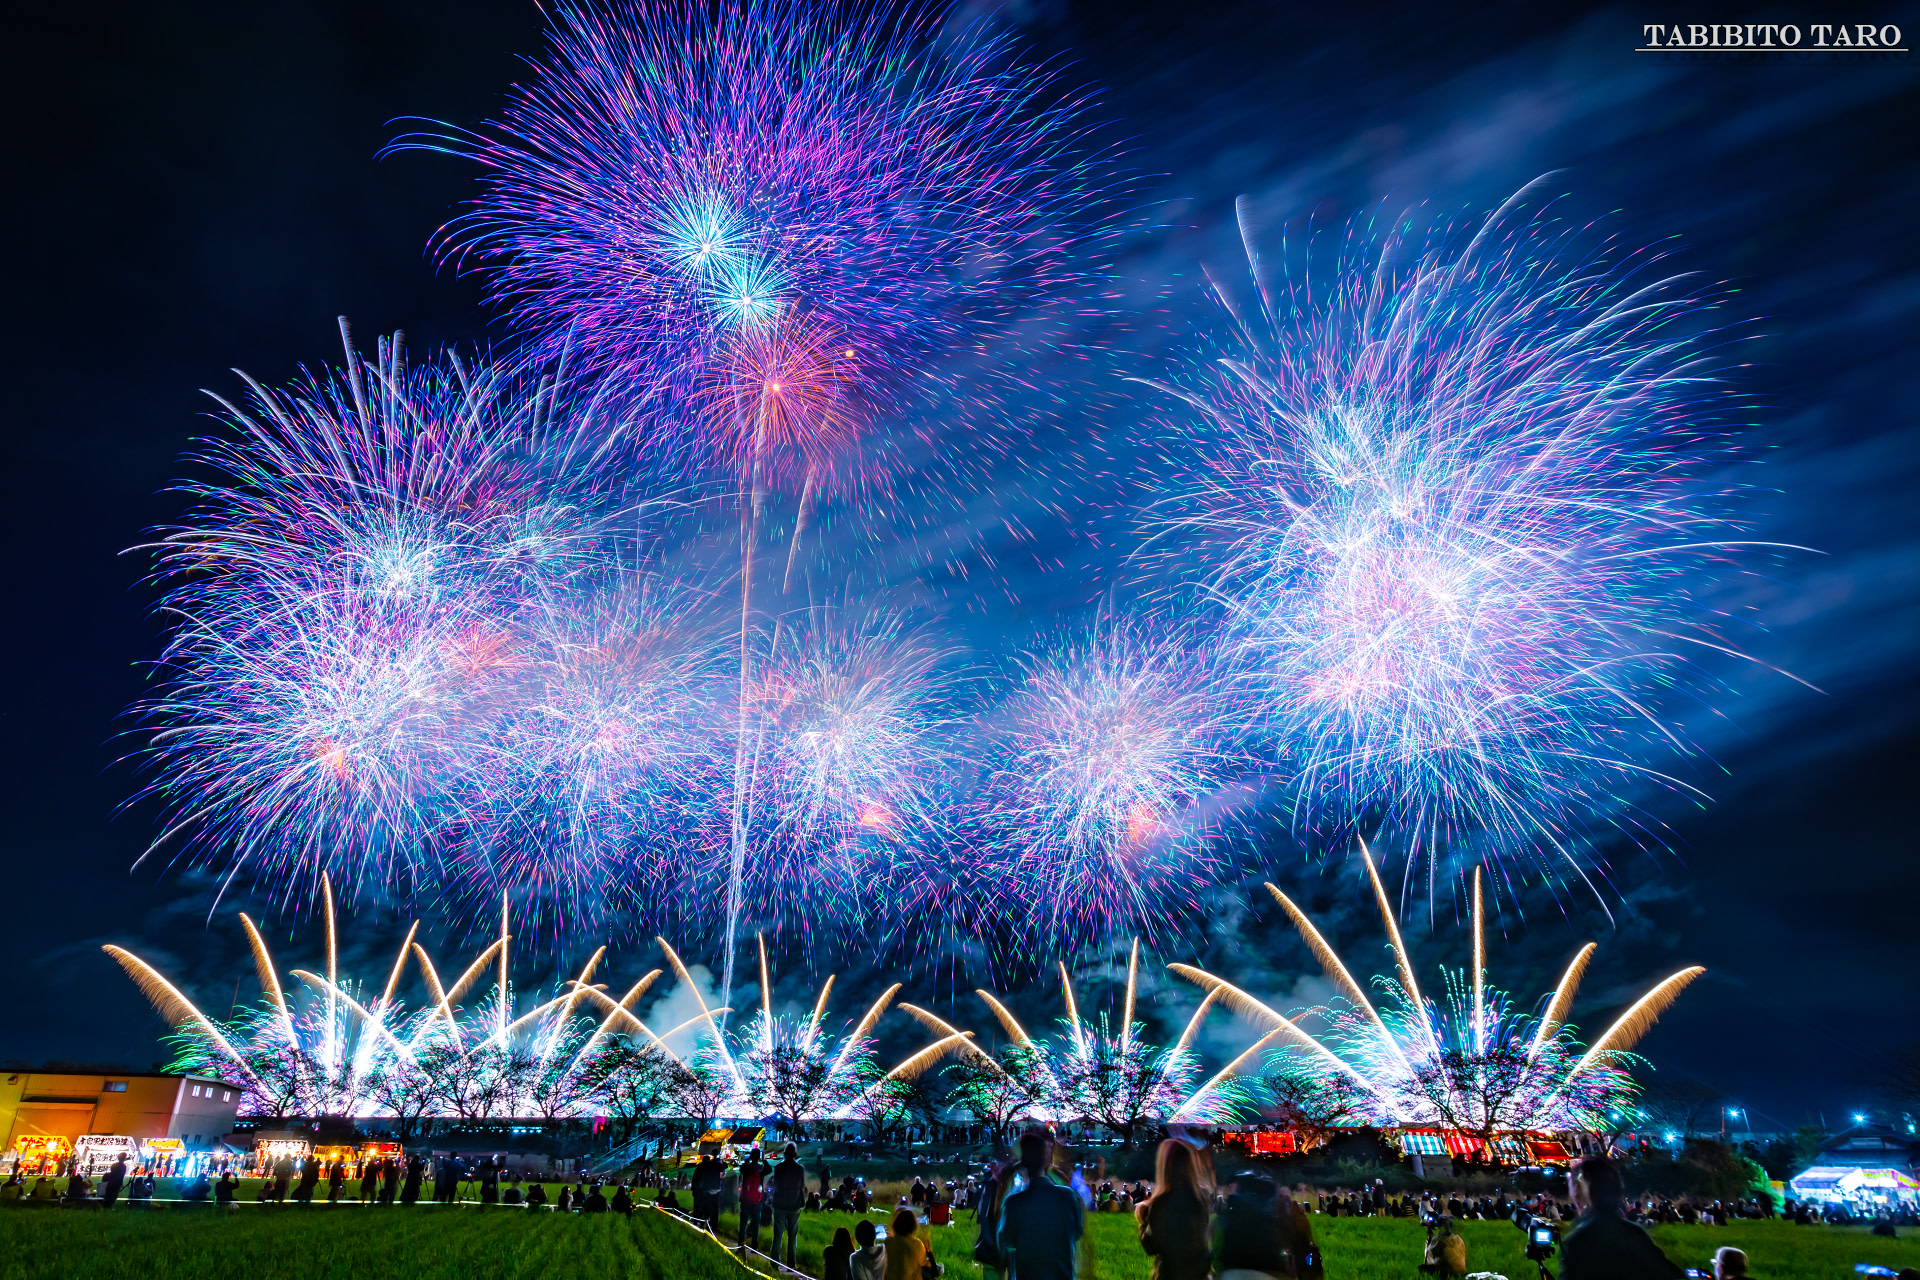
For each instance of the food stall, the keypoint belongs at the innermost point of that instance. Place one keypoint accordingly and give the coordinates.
(372, 1151)
(347, 1157)
(268, 1152)
(37, 1154)
(163, 1156)
(94, 1153)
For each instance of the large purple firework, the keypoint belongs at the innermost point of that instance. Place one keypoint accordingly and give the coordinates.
(1468, 486)
(683, 185)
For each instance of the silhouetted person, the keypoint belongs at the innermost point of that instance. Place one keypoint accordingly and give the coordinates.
(1040, 1223)
(1603, 1245)
(1173, 1221)
(309, 1179)
(416, 1172)
(789, 1195)
(111, 1184)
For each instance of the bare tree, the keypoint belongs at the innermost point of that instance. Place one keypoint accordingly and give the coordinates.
(1312, 1103)
(794, 1080)
(1485, 1092)
(634, 1084)
(999, 1094)
(882, 1103)
(408, 1093)
(696, 1090)
(1122, 1082)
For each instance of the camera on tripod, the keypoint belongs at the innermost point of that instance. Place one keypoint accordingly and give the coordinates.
(1542, 1238)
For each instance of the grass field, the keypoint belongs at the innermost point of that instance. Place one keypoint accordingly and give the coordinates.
(431, 1242)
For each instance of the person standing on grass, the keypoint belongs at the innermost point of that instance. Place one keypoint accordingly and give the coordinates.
(111, 1184)
(707, 1181)
(1603, 1245)
(1173, 1221)
(410, 1189)
(789, 1195)
(753, 1194)
(1042, 1222)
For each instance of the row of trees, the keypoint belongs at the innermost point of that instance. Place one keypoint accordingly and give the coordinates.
(1121, 1083)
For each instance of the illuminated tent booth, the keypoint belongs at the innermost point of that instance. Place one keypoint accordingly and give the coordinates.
(1841, 1184)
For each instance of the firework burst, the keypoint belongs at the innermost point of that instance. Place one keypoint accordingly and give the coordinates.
(1468, 1060)
(348, 597)
(1106, 791)
(847, 753)
(605, 756)
(1469, 491)
(680, 181)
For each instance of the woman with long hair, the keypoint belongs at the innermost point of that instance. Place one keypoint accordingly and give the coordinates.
(907, 1254)
(1173, 1220)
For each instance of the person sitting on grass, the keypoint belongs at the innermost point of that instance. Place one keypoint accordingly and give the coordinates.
(869, 1261)
(907, 1253)
(1446, 1252)
(537, 1196)
(512, 1194)
(622, 1202)
(836, 1260)
(667, 1199)
(1603, 1245)
(596, 1199)
(565, 1203)
(1729, 1263)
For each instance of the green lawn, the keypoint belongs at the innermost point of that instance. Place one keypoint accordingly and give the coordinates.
(430, 1242)
(290, 1243)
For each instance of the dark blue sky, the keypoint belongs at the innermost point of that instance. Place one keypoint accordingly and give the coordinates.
(194, 189)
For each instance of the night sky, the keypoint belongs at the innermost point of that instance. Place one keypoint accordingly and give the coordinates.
(193, 188)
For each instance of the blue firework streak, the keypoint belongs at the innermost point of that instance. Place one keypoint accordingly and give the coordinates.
(679, 175)
(349, 594)
(1469, 490)
(1108, 783)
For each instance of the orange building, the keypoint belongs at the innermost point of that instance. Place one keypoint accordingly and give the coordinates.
(138, 1104)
